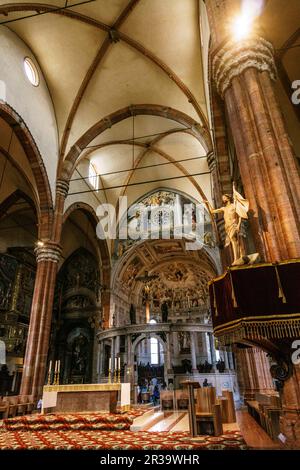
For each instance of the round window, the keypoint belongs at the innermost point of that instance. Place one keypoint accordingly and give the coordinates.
(31, 72)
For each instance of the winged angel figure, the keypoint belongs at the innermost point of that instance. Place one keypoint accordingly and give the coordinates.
(234, 210)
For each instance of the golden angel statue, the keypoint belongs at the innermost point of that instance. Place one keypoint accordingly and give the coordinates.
(234, 210)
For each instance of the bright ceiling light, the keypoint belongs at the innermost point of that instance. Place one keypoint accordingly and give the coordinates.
(243, 24)
(241, 27)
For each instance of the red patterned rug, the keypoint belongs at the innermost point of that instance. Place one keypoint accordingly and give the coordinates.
(70, 421)
(116, 440)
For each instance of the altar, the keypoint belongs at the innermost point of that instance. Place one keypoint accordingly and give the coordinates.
(85, 398)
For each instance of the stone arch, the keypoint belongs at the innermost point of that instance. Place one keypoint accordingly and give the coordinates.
(143, 336)
(45, 203)
(13, 198)
(67, 167)
(104, 255)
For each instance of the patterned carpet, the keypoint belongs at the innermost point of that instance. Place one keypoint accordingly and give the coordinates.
(94, 431)
(116, 440)
(69, 422)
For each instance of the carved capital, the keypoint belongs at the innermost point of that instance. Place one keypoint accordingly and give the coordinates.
(48, 252)
(62, 187)
(234, 58)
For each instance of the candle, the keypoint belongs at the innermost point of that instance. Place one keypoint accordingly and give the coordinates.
(55, 368)
(58, 366)
(50, 367)
(116, 363)
(109, 363)
(119, 363)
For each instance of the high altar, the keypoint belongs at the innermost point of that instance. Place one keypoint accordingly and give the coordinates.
(86, 397)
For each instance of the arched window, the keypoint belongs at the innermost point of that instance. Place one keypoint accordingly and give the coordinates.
(31, 72)
(93, 177)
(154, 351)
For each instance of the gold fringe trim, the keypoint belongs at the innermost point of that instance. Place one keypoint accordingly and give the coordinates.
(280, 289)
(274, 329)
(232, 292)
(280, 317)
(215, 302)
(252, 266)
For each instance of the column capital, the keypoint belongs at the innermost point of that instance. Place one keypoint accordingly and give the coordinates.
(234, 58)
(48, 251)
(62, 187)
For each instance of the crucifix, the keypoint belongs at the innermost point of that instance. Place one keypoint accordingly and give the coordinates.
(146, 291)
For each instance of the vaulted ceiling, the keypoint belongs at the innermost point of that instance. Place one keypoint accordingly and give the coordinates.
(118, 69)
(104, 56)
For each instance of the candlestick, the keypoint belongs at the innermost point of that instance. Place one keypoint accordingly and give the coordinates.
(58, 372)
(115, 370)
(49, 373)
(119, 370)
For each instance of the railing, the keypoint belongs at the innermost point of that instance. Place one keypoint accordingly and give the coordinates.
(153, 328)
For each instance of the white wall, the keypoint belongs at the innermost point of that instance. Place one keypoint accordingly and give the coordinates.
(33, 104)
(205, 35)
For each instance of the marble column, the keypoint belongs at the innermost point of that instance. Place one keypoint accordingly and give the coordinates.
(117, 346)
(177, 216)
(226, 359)
(112, 352)
(193, 353)
(35, 360)
(212, 350)
(168, 354)
(130, 361)
(244, 74)
(175, 344)
(101, 360)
